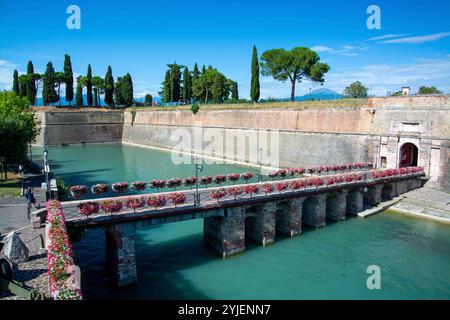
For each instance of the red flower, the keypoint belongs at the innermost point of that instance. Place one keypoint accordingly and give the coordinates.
(246, 176)
(111, 206)
(177, 198)
(220, 179)
(281, 186)
(235, 191)
(78, 191)
(173, 183)
(233, 177)
(217, 193)
(119, 187)
(267, 187)
(88, 208)
(329, 181)
(206, 180)
(138, 185)
(99, 188)
(134, 202)
(189, 182)
(295, 185)
(251, 189)
(156, 201)
(158, 184)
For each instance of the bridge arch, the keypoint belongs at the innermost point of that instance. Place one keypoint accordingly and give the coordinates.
(355, 200)
(314, 210)
(387, 192)
(336, 206)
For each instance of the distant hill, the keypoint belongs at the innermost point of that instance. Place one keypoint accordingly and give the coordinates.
(102, 102)
(320, 94)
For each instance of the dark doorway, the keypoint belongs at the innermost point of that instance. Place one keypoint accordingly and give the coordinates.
(408, 155)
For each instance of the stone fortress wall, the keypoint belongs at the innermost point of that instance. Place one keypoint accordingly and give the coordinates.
(379, 131)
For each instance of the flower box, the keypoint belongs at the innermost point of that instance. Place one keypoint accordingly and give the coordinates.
(233, 177)
(78, 191)
(177, 198)
(246, 176)
(157, 184)
(281, 186)
(234, 191)
(119, 187)
(220, 179)
(173, 183)
(99, 188)
(217, 194)
(205, 180)
(267, 187)
(111, 206)
(88, 208)
(138, 185)
(295, 185)
(134, 203)
(189, 182)
(157, 201)
(251, 189)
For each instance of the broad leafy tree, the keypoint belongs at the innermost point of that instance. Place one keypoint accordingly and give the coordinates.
(254, 85)
(296, 64)
(210, 83)
(123, 92)
(109, 87)
(356, 90)
(49, 94)
(99, 88)
(68, 74)
(17, 126)
(60, 78)
(429, 90)
(148, 100)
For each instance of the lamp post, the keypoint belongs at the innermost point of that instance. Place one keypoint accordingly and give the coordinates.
(21, 177)
(260, 164)
(46, 172)
(198, 168)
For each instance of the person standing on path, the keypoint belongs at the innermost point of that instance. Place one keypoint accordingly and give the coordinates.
(31, 200)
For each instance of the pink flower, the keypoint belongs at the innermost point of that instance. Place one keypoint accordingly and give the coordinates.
(235, 191)
(251, 189)
(267, 187)
(177, 198)
(217, 193)
(156, 201)
(88, 208)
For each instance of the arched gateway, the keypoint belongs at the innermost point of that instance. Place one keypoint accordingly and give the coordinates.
(408, 155)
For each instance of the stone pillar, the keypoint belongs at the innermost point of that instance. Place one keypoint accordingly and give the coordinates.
(413, 183)
(355, 201)
(226, 234)
(289, 217)
(388, 191)
(336, 205)
(314, 211)
(262, 229)
(373, 195)
(120, 253)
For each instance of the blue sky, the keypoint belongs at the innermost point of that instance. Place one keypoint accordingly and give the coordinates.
(141, 37)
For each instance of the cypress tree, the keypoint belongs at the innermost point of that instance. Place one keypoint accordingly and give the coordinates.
(175, 82)
(166, 92)
(23, 83)
(96, 97)
(16, 87)
(89, 86)
(109, 87)
(31, 89)
(79, 93)
(187, 85)
(49, 94)
(195, 73)
(68, 74)
(127, 92)
(254, 86)
(234, 91)
(203, 69)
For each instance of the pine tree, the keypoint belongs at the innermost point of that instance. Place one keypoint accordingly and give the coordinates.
(234, 91)
(49, 94)
(203, 69)
(79, 93)
(187, 84)
(195, 73)
(16, 87)
(31, 89)
(68, 74)
(254, 86)
(166, 93)
(109, 87)
(89, 86)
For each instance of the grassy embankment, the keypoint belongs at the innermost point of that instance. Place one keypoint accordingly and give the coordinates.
(11, 186)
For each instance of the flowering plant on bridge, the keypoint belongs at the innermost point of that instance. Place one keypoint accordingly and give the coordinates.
(382, 174)
(358, 176)
(338, 179)
(375, 175)
(295, 185)
(329, 181)
(177, 198)
(281, 186)
(311, 170)
(327, 168)
(282, 173)
(267, 187)
(78, 191)
(59, 254)
(389, 172)
(157, 184)
(111, 206)
(319, 169)
(157, 201)
(119, 187)
(88, 208)
(189, 182)
(217, 194)
(205, 180)
(246, 176)
(233, 177)
(138, 185)
(174, 183)
(234, 191)
(220, 179)
(272, 174)
(251, 189)
(317, 181)
(349, 178)
(135, 202)
(99, 188)
(336, 167)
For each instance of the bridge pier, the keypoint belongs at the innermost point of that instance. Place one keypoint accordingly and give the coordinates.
(373, 195)
(314, 211)
(401, 187)
(355, 201)
(289, 217)
(120, 253)
(336, 205)
(226, 234)
(260, 225)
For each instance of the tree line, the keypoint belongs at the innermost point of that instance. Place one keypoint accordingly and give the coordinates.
(116, 93)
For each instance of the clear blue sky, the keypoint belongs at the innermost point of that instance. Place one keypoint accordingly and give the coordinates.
(141, 37)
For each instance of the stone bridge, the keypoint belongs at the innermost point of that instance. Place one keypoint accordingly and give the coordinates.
(228, 223)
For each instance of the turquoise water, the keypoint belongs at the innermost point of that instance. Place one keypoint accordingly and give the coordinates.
(329, 263)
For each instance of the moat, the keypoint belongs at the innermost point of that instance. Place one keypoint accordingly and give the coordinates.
(331, 262)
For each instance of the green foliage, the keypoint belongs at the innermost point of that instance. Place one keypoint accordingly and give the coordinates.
(23, 82)
(175, 82)
(123, 93)
(16, 86)
(79, 93)
(234, 91)
(99, 88)
(89, 86)
(195, 107)
(31, 89)
(166, 93)
(109, 87)
(49, 94)
(148, 100)
(429, 90)
(254, 85)
(219, 88)
(211, 84)
(60, 78)
(195, 73)
(187, 84)
(63, 189)
(68, 73)
(17, 126)
(356, 90)
(297, 64)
